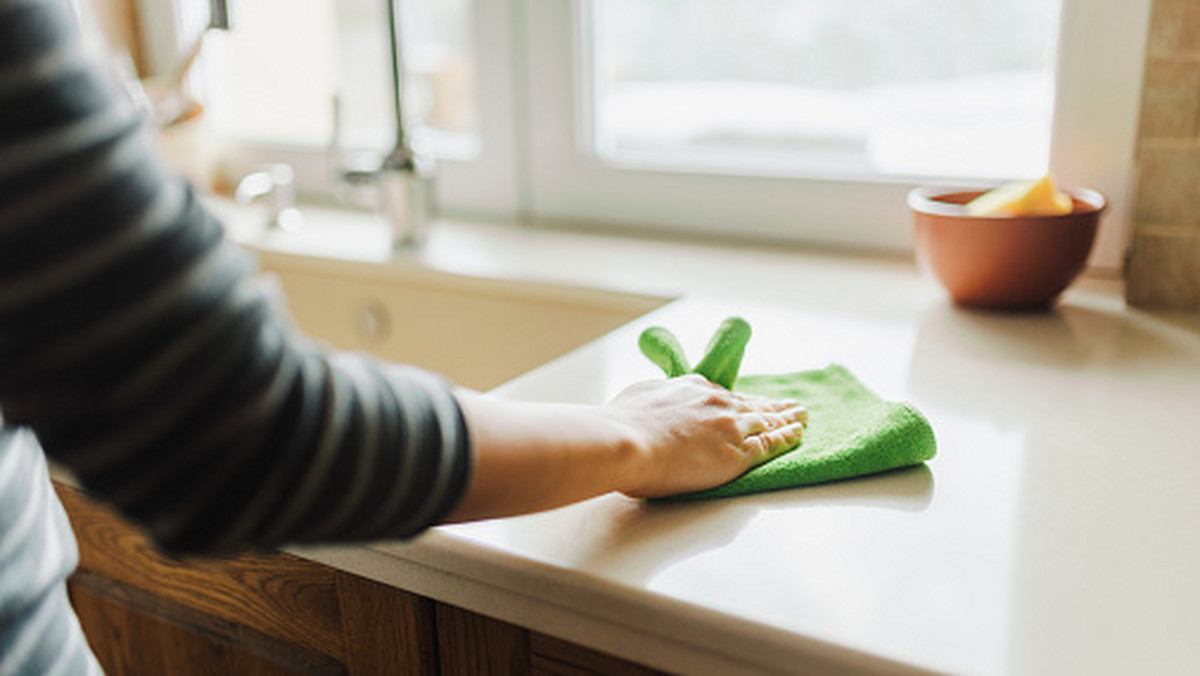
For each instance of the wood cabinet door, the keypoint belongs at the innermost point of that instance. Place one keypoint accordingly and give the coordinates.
(279, 614)
(145, 613)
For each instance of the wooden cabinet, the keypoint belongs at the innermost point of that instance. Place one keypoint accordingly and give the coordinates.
(269, 614)
(145, 613)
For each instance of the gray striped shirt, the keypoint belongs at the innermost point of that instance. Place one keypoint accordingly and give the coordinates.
(137, 350)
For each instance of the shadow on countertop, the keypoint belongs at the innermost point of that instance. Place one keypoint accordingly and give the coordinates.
(646, 537)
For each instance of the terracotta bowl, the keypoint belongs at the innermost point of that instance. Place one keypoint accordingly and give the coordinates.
(1002, 263)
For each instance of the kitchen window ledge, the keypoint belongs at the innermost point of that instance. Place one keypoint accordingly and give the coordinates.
(880, 284)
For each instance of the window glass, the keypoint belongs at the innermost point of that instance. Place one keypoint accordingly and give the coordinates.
(276, 73)
(871, 87)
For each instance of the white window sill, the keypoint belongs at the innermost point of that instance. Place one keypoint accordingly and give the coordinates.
(622, 262)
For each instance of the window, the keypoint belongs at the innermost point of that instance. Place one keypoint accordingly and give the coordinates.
(276, 75)
(272, 82)
(789, 119)
(823, 87)
(1097, 80)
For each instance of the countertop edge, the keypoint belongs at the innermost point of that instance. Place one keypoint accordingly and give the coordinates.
(595, 614)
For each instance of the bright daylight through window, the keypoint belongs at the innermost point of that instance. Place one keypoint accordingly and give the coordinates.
(281, 66)
(804, 120)
(892, 87)
(877, 87)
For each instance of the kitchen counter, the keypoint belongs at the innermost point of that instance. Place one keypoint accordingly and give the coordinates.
(1055, 532)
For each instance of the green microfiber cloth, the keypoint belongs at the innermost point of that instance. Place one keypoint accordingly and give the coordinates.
(851, 431)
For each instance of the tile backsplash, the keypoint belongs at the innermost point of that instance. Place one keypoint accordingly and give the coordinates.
(1163, 268)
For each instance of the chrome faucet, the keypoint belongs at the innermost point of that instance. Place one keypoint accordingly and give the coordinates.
(274, 184)
(404, 178)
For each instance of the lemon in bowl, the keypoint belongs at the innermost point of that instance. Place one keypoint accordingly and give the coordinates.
(1016, 247)
(1041, 197)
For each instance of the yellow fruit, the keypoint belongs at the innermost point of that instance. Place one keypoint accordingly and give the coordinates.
(1023, 198)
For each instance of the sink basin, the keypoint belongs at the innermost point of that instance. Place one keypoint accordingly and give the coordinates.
(345, 286)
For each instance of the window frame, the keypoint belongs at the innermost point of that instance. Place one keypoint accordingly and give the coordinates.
(1099, 69)
(534, 164)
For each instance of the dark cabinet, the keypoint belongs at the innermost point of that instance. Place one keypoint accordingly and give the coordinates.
(267, 614)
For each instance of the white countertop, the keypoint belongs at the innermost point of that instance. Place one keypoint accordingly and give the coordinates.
(1057, 531)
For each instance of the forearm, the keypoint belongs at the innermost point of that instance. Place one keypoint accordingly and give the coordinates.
(655, 438)
(531, 457)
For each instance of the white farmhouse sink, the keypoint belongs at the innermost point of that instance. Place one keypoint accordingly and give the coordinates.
(344, 286)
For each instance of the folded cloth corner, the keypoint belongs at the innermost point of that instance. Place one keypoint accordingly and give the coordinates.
(851, 432)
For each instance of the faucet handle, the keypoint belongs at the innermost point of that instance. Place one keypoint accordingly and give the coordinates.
(274, 184)
(355, 174)
(398, 184)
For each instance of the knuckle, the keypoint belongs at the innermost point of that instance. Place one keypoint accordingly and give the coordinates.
(766, 422)
(716, 399)
(725, 423)
(728, 420)
(755, 447)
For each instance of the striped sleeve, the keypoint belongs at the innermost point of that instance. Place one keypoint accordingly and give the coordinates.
(137, 345)
(38, 632)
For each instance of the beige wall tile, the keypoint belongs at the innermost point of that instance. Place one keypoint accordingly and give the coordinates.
(1164, 269)
(1164, 259)
(1174, 27)
(1169, 186)
(1171, 99)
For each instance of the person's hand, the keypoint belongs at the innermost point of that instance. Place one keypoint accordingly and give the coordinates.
(693, 434)
(656, 438)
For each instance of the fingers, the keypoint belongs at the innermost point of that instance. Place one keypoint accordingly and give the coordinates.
(768, 427)
(766, 445)
(797, 413)
(753, 402)
(757, 422)
(775, 428)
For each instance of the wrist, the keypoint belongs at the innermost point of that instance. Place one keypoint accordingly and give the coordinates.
(632, 454)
